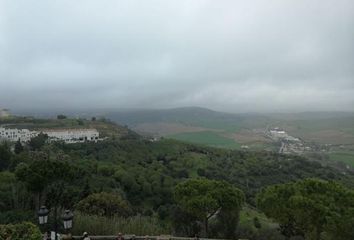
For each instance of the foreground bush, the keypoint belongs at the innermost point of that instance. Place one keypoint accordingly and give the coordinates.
(25, 230)
(105, 204)
(99, 225)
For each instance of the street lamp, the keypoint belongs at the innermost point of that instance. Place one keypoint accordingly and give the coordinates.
(68, 219)
(43, 215)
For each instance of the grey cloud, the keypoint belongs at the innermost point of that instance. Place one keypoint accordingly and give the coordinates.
(228, 55)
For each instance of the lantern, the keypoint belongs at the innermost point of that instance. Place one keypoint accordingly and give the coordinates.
(68, 219)
(43, 215)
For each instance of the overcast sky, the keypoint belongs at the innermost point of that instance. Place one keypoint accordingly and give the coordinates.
(231, 55)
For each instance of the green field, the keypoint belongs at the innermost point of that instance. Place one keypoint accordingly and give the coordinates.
(345, 157)
(207, 138)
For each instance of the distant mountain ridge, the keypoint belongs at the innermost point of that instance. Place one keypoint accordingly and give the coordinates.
(185, 115)
(134, 116)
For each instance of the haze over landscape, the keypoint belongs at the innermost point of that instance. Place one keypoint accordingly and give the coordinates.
(177, 119)
(234, 56)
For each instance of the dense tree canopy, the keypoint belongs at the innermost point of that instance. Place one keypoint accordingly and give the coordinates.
(51, 180)
(7, 182)
(37, 142)
(310, 208)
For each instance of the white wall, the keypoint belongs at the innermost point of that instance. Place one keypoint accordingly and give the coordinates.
(67, 135)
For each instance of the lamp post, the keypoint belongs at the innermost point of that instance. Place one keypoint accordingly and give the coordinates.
(67, 218)
(43, 215)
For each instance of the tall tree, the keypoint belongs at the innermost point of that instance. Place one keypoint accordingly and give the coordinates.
(205, 199)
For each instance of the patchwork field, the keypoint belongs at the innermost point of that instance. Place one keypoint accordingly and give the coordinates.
(205, 126)
(324, 131)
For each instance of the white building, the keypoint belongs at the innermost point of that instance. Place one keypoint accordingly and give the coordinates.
(66, 135)
(278, 133)
(72, 135)
(14, 134)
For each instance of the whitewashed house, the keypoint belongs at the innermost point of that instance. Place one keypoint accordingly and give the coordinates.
(72, 135)
(14, 134)
(66, 135)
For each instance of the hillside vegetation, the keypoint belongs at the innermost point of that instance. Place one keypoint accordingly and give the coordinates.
(141, 175)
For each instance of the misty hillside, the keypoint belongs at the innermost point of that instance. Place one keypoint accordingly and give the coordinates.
(201, 116)
(195, 119)
(186, 115)
(328, 135)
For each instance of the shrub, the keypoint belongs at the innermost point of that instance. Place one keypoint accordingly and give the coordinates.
(25, 230)
(105, 204)
(257, 223)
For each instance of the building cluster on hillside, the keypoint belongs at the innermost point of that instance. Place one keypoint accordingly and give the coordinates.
(289, 144)
(278, 134)
(66, 135)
